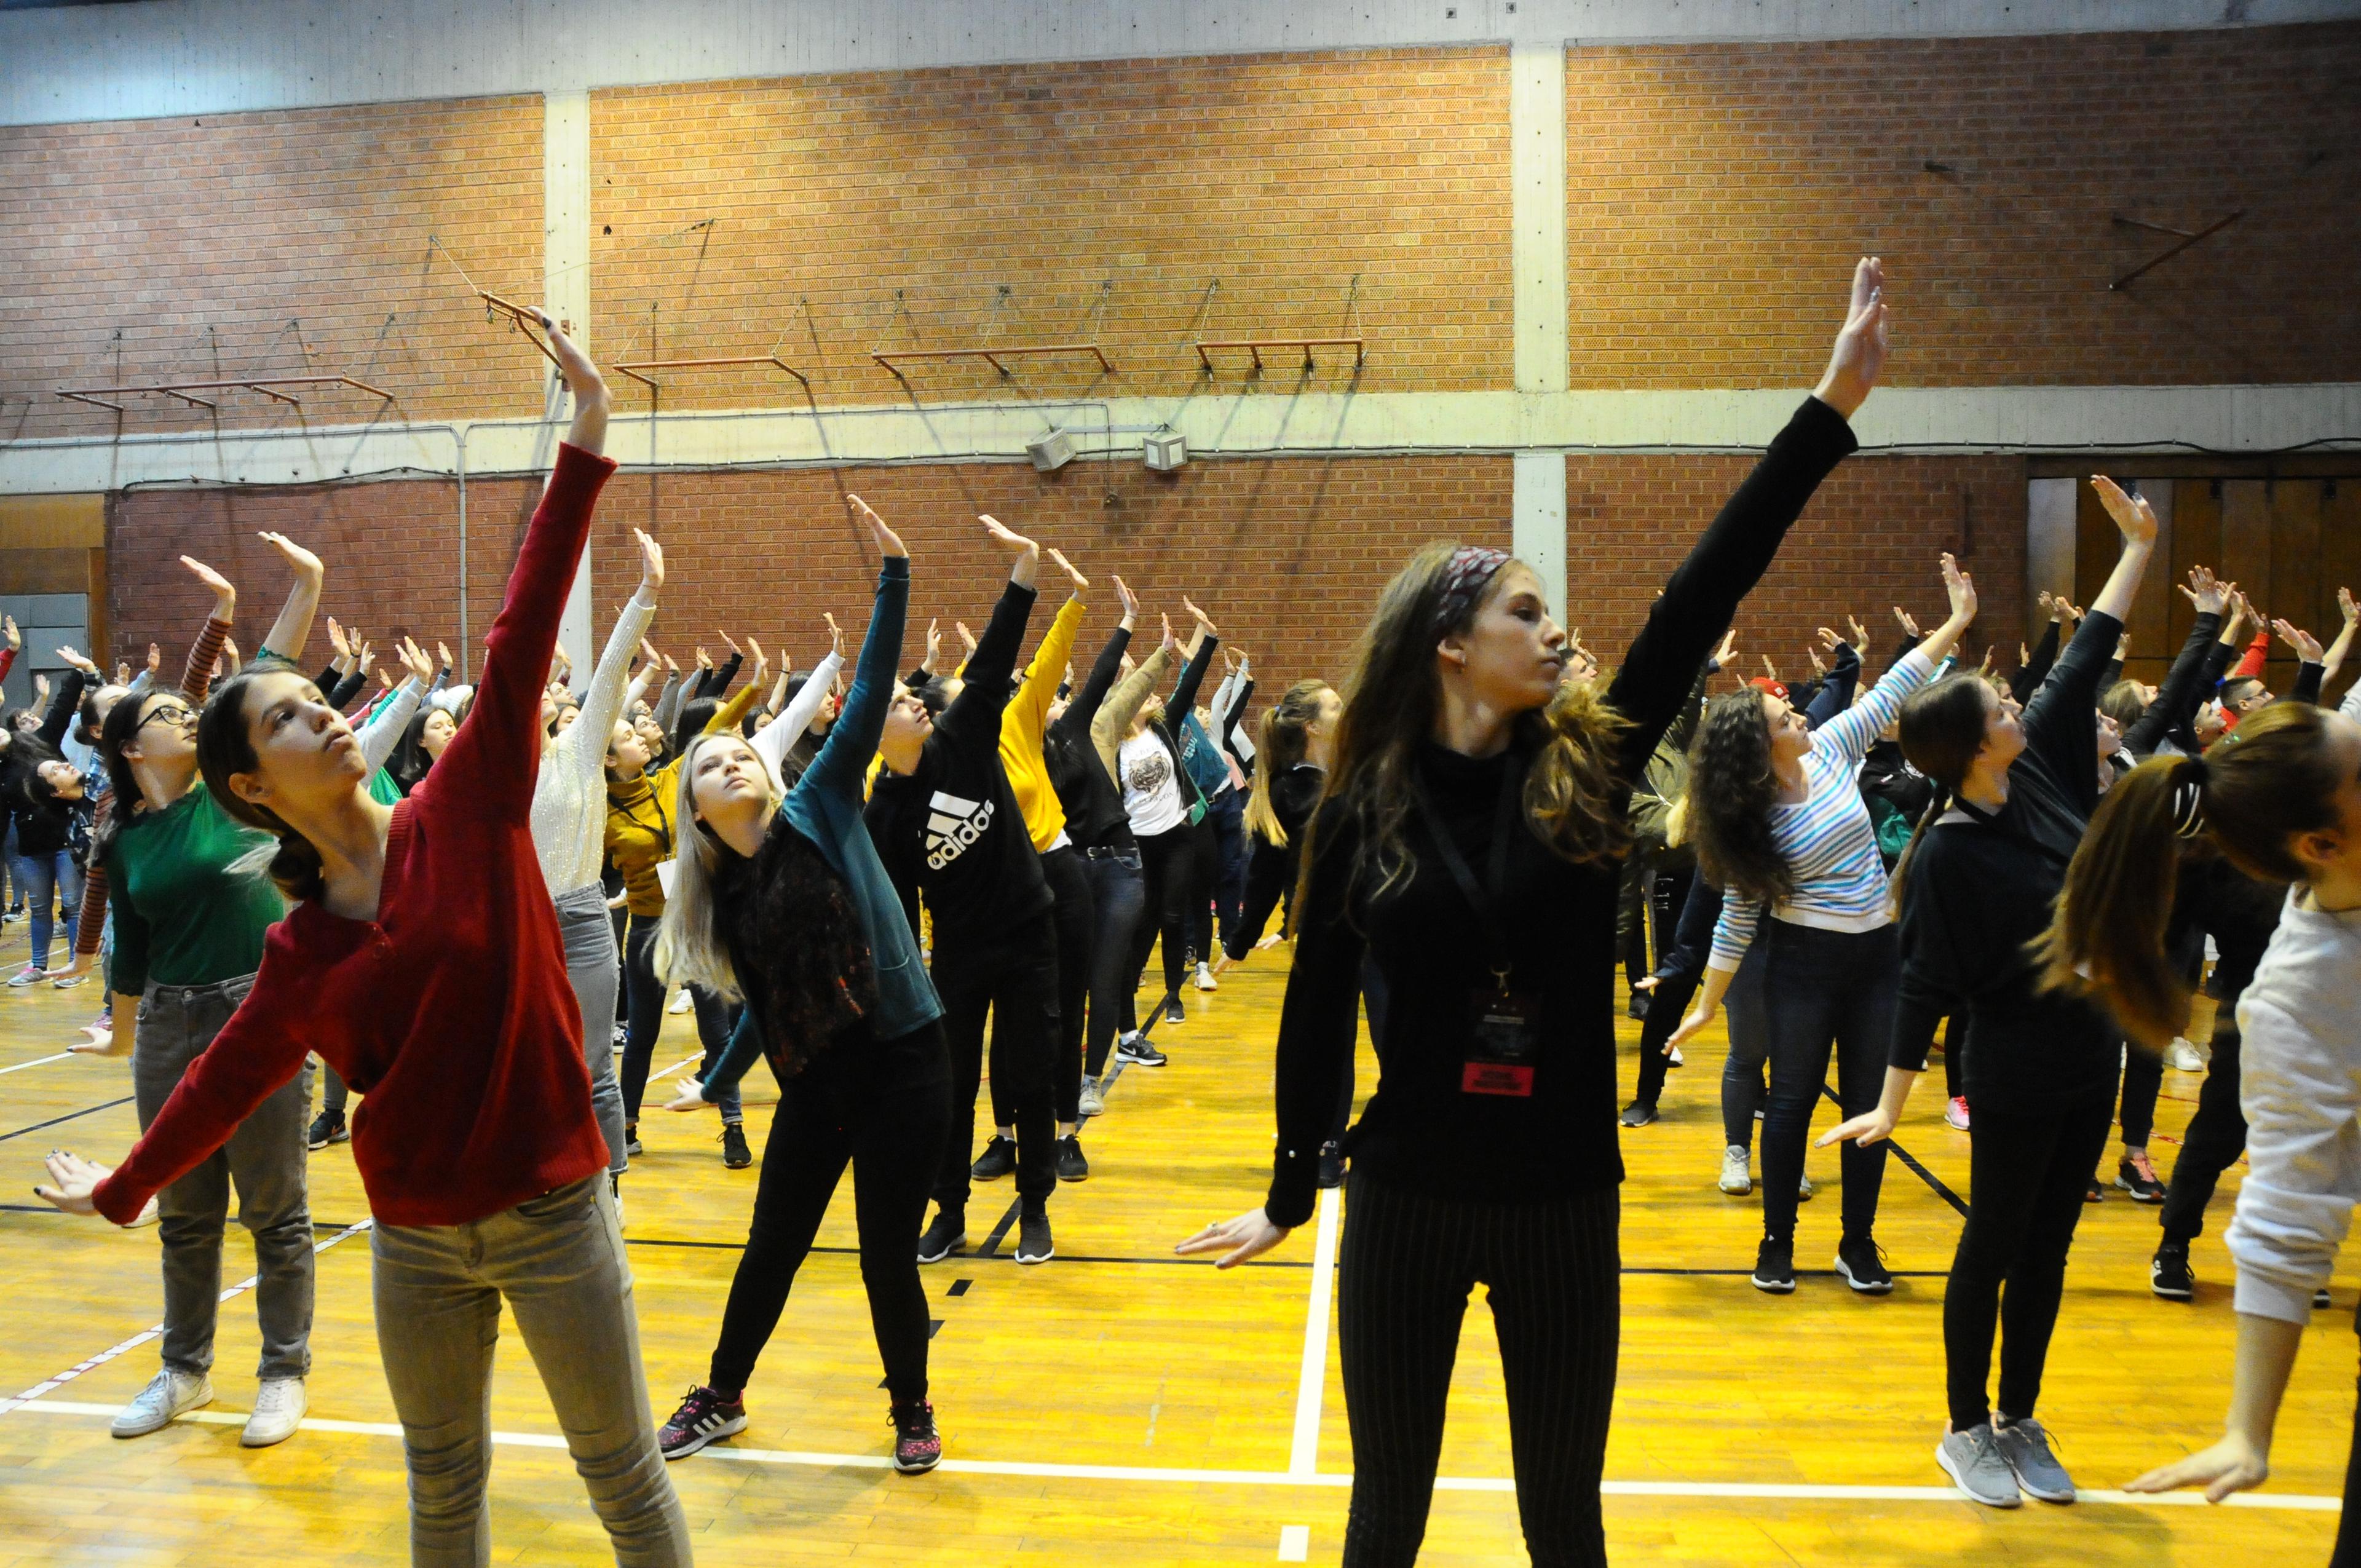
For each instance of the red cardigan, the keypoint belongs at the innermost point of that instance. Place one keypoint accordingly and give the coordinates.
(451, 1010)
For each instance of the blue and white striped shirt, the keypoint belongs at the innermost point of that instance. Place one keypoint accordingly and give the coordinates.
(1829, 845)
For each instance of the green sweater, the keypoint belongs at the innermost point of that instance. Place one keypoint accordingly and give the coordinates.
(182, 915)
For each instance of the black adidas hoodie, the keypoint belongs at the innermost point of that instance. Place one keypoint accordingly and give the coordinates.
(951, 829)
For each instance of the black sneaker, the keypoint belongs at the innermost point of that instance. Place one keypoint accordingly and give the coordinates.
(328, 1128)
(1174, 1013)
(1637, 1005)
(705, 1416)
(2168, 1273)
(2135, 1176)
(998, 1158)
(1033, 1244)
(1134, 1048)
(735, 1154)
(2319, 1301)
(1774, 1267)
(1071, 1166)
(917, 1446)
(2090, 1193)
(1862, 1265)
(1639, 1113)
(1332, 1167)
(945, 1236)
(632, 1141)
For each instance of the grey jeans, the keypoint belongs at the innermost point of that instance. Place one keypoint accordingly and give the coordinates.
(558, 1259)
(264, 1159)
(595, 965)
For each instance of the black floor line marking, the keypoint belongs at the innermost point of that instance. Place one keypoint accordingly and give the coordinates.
(86, 1110)
(1925, 1174)
(959, 1286)
(992, 1242)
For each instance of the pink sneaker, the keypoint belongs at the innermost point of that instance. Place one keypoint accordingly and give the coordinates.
(1956, 1113)
(28, 975)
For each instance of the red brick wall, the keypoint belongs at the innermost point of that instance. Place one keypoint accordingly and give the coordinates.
(279, 244)
(1718, 193)
(1288, 556)
(1283, 177)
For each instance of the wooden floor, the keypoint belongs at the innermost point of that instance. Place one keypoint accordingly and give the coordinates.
(1119, 1402)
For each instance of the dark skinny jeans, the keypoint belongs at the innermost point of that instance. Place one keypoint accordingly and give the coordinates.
(1075, 916)
(644, 1004)
(2215, 1137)
(1119, 899)
(1746, 1010)
(1169, 864)
(1835, 989)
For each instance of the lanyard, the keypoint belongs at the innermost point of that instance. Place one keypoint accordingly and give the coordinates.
(664, 820)
(1486, 899)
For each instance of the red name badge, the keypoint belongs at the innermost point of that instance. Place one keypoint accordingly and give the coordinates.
(1495, 1078)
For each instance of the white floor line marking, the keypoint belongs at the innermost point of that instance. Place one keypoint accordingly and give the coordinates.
(1294, 1542)
(675, 1067)
(1303, 1454)
(145, 1336)
(37, 1061)
(1698, 1489)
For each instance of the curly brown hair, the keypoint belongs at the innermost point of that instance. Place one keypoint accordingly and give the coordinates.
(1731, 794)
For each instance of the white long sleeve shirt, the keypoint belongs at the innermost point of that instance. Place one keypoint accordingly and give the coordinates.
(569, 796)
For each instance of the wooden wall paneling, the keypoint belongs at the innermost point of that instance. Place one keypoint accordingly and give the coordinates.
(2340, 565)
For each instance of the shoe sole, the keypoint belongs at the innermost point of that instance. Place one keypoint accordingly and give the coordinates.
(727, 1429)
(939, 1257)
(1871, 1287)
(1774, 1286)
(975, 1175)
(143, 1432)
(1737, 1191)
(1648, 1119)
(1082, 1175)
(1024, 1257)
(248, 1440)
(1144, 1061)
(2173, 1292)
(2137, 1196)
(920, 1469)
(1943, 1458)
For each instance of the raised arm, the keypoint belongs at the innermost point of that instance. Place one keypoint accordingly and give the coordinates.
(992, 666)
(382, 731)
(1202, 641)
(1702, 595)
(1849, 735)
(496, 754)
(844, 759)
(293, 628)
(772, 741)
(2061, 721)
(602, 701)
(1083, 710)
(2176, 701)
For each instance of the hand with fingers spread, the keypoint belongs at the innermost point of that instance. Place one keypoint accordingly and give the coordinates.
(1249, 1235)
(1858, 356)
(71, 1181)
(2205, 593)
(1727, 655)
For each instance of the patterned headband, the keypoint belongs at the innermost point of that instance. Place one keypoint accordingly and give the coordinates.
(1472, 566)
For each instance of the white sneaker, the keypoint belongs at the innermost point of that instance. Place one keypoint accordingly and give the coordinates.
(1205, 981)
(2183, 1056)
(168, 1393)
(681, 1002)
(1804, 1190)
(1094, 1099)
(279, 1407)
(1735, 1179)
(150, 1212)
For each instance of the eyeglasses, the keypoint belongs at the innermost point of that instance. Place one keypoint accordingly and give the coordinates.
(173, 714)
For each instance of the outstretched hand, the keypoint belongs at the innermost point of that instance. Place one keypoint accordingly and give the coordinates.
(651, 563)
(1082, 584)
(1870, 1128)
(1860, 352)
(2233, 1464)
(72, 1180)
(98, 1040)
(2306, 646)
(1249, 1235)
(2133, 518)
(690, 1098)
(835, 635)
(2206, 593)
(889, 544)
(1130, 604)
(224, 591)
(302, 562)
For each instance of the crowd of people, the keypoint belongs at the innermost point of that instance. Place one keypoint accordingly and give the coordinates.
(466, 907)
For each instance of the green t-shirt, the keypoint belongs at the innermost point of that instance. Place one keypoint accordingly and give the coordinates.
(182, 915)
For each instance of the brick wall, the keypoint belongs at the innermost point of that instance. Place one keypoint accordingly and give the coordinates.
(1288, 556)
(1717, 195)
(1282, 177)
(269, 243)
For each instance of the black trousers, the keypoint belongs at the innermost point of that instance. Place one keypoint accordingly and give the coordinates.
(2027, 1171)
(1014, 980)
(2142, 1081)
(1833, 989)
(1168, 861)
(2215, 1138)
(879, 1107)
(1553, 1273)
(2348, 1528)
(1670, 1004)
(1075, 918)
(644, 1003)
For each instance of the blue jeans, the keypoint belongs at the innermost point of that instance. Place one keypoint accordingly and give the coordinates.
(1226, 867)
(1119, 893)
(47, 878)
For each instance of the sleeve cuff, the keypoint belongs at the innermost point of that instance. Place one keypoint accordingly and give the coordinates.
(1725, 964)
(2265, 1298)
(1294, 1188)
(115, 1198)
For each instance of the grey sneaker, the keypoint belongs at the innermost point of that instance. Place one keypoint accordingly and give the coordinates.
(1974, 1461)
(167, 1394)
(2027, 1448)
(279, 1407)
(1735, 1179)
(1094, 1099)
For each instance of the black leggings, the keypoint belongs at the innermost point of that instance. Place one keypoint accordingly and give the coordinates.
(1014, 981)
(643, 1012)
(1075, 915)
(2216, 1136)
(1835, 988)
(1553, 1277)
(878, 1107)
(2027, 1171)
(1168, 861)
(2142, 1081)
(1745, 1073)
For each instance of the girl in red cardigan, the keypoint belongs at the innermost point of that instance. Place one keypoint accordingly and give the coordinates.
(422, 960)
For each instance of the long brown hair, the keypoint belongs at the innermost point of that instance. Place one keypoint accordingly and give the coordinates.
(225, 747)
(1392, 701)
(1731, 792)
(1281, 743)
(1942, 728)
(2272, 778)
